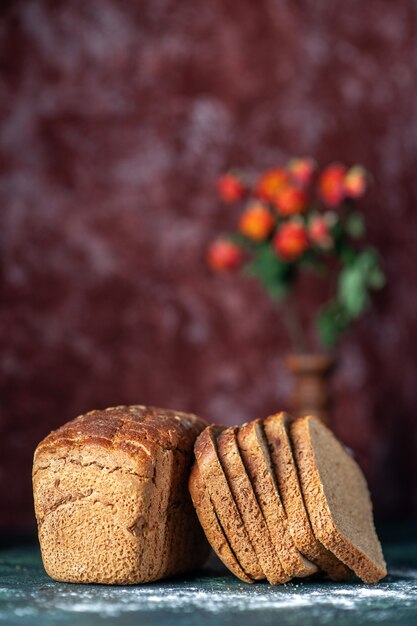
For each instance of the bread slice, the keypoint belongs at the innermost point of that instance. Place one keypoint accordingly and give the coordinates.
(337, 499)
(111, 497)
(276, 429)
(255, 455)
(211, 525)
(247, 504)
(215, 482)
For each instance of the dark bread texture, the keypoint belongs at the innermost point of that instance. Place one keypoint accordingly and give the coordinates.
(337, 499)
(276, 429)
(217, 486)
(244, 496)
(111, 497)
(211, 525)
(254, 450)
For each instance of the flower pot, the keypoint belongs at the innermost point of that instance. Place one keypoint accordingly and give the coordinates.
(311, 395)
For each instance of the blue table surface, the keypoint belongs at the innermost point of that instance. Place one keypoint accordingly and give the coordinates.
(209, 597)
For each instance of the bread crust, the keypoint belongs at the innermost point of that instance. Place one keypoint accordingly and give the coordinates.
(276, 429)
(215, 482)
(211, 525)
(127, 428)
(111, 496)
(245, 499)
(337, 499)
(256, 459)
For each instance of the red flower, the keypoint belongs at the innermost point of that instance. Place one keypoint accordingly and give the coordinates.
(302, 170)
(230, 188)
(256, 222)
(319, 232)
(291, 241)
(270, 183)
(332, 184)
(224, 255)
(355, 182)
(291, 201)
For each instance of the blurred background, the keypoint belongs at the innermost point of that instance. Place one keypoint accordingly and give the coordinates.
(117, 118)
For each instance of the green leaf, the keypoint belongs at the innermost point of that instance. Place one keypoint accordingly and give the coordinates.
(312, 261)
(367, 259)
(242, 241)
(355, 225)
(346, 252)
(331, 322)
(376, 278)
(275, 275)
(360, 274)
(352, 291)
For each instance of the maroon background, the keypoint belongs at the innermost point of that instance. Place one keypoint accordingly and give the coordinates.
(117, 118)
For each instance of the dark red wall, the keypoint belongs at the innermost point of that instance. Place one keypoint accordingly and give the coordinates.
(117, 118)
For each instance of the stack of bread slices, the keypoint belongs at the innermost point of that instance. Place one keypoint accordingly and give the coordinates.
(281, 499)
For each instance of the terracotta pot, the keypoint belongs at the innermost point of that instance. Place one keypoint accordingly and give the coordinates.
(311, 394)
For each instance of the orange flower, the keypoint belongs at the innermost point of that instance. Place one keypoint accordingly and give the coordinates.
(230, 188)
(291, 201)
(291, 241)
(332, 184)
(319, 232)
(256, 222)
(302, 170)
(224, 255)
(355, 182)
(270, 183)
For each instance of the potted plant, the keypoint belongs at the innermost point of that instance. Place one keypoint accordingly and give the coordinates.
(295, 222)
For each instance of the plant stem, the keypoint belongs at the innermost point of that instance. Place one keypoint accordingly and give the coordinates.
(292, 320)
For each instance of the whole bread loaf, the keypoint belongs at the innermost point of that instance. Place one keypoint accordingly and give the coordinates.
(111, 497)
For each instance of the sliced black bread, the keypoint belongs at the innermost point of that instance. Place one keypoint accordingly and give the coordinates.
(247, 504)
(215, 482)
(254, 450)
(276, 429)
(337, 499)
(211, 525)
